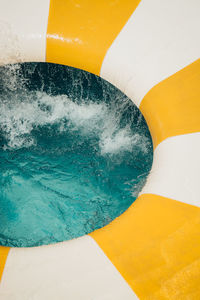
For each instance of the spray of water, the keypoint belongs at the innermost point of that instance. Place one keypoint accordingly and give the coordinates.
(19, 117)
(74, 153)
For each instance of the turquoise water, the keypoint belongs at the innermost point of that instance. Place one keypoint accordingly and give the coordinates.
(74, 153)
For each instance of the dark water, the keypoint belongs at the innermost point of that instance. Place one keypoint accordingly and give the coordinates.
(74, 153)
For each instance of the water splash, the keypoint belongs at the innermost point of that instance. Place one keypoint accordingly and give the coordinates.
(74, 154)
(19, 118)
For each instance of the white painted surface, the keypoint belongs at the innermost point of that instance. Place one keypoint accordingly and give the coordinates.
(176, 169)
(23, 26)
(160, 38)
(74, 270)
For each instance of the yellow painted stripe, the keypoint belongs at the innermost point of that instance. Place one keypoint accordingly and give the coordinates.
(155, 245)
(173, 106)
(80, 32)
(3, 256)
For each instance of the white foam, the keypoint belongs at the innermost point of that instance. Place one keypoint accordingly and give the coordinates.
(20, 115)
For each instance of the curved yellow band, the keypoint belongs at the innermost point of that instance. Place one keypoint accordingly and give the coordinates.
(172, 107)
(147, 245)
(3, 256)
(80, 32)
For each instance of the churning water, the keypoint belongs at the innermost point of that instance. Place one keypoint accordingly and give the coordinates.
(74, 153)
